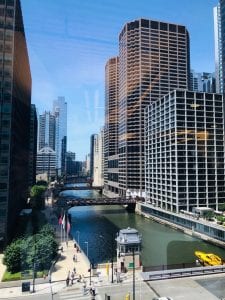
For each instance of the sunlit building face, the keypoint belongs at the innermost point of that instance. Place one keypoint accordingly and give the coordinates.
(185, 151)
(153, 60)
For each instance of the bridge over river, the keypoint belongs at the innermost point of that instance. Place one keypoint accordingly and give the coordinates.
(130, 203)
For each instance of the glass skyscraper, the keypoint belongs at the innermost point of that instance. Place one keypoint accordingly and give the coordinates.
(15, 102)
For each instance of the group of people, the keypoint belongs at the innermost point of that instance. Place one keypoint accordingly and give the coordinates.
(70, 277)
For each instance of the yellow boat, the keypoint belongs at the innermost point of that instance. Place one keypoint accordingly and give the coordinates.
(208, 259)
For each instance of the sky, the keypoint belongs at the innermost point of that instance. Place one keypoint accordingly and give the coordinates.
(70, 41)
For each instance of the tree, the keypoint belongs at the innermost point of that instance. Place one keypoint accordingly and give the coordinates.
(37, 196)
(42, 182)
(12, 256)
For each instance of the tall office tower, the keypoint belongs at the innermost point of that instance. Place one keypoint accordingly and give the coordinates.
(46, 163)
(195, 79)
(46, 131)
(33, 145)
(87, 165)
(98, 159)
(111, 156)
(185, 151)
(92, 140)
(154, 59)
(218, 49)
(202, 82)
(70, 163)
(15, 102)
(60, 113)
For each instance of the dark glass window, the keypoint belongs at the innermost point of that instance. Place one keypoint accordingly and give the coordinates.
(154, 25)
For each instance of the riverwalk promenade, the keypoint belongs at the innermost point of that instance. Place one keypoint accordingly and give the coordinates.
(210, 287)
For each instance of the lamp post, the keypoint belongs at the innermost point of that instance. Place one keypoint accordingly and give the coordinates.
(133, 275)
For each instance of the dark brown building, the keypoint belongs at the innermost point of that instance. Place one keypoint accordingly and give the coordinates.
(15, 102)
(153, 60)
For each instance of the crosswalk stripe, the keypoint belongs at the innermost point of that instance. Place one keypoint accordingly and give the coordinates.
(71, 295)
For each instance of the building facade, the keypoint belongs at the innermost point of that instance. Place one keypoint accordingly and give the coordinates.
(98, 159)
(33, 145)
(46, 163)
(153, 60)
(202, 82)
(92, 147)
(60, 113)
(70, 163)
(111, 155)
(185, 151)
(15, 102)
(46, 131)
(218, 49)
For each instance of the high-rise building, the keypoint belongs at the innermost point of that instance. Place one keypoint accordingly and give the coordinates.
(98, 158)
(46, 163)
(92, 139)
(221, 22)
(33, 145)
(60, 113)
(46, 131)
(185, 151)
(111, 156)
(15, 102)
(202, 82)
(70, 163)
(218, 49)
(153, 60)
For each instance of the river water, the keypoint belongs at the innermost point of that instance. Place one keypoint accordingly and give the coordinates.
(96, 226)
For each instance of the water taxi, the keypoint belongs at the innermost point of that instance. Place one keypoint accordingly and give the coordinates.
(208, 259)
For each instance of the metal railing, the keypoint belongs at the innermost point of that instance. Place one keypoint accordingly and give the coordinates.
(178, 273)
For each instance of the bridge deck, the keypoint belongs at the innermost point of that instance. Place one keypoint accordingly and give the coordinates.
(98, 201)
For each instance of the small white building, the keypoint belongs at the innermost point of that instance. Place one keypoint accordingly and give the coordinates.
(128, 249)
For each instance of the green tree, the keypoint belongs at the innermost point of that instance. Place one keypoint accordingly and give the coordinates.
(12, 256)
(42, 182)
(37, 196)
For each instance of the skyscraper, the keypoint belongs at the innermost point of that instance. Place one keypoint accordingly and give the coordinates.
(33, 145)
(60, 113)
(202, 82)
(218, 49)
(153, 59)
(15, 101)
(221, 50)
(92, 142)
(46, 131)
(111, 184)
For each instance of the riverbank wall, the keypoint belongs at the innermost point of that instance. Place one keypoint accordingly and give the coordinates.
(211, 233)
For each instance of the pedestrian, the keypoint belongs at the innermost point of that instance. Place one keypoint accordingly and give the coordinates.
(84, 288)
(74, 270)
(67, 281)
(93, 291)
(75, 245)
(74, 258)
(72, 278)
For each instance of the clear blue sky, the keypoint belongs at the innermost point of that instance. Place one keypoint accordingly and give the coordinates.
(69, 42)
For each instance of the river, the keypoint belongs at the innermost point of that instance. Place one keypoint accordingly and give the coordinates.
(96, 228)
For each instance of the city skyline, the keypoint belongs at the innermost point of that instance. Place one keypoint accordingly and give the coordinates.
(74, 64)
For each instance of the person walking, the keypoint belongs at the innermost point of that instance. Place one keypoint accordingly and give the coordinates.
(72, 278)
(67, 281)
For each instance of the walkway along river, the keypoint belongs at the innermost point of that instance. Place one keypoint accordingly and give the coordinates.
(95, 227)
